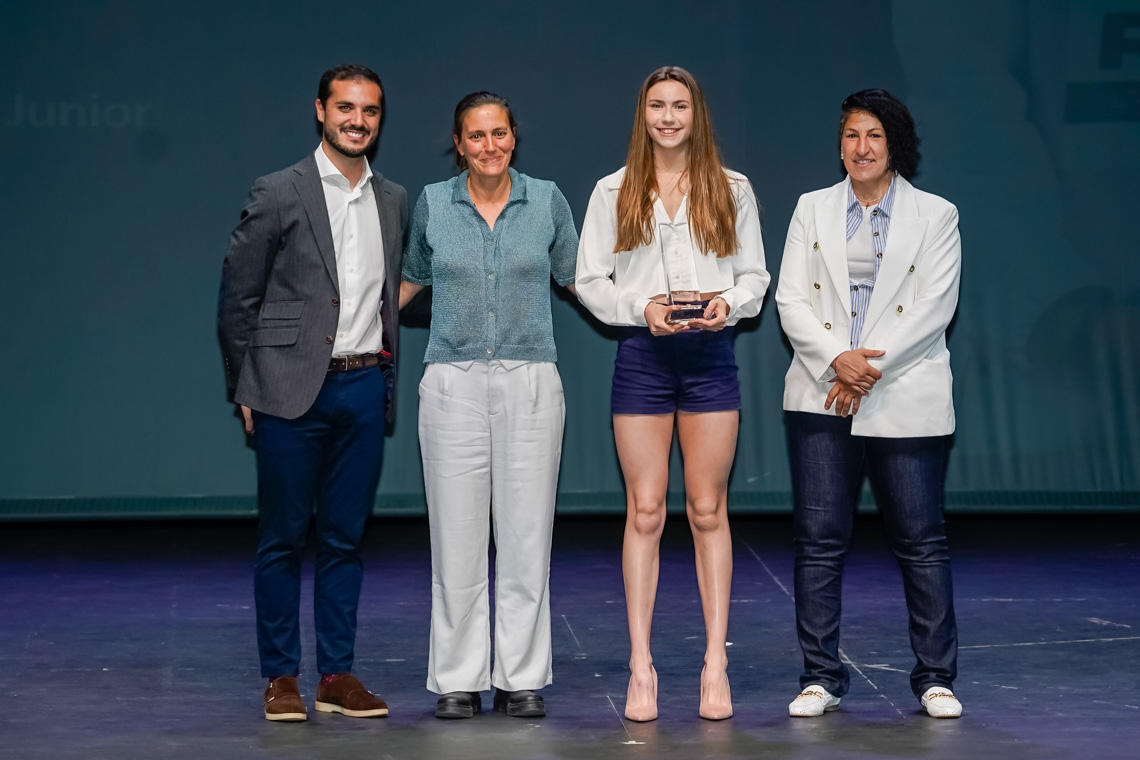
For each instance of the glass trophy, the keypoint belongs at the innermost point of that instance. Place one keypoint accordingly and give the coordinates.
(681, 276)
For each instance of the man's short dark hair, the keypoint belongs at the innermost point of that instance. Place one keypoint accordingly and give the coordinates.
(351, 72)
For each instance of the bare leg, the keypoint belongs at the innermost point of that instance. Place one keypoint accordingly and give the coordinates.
(643, 443)
(708, 444)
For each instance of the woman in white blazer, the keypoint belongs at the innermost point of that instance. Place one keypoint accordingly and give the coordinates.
(674, 201)
(868, 286)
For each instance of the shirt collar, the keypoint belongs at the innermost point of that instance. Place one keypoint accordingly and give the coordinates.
(328, 170)
(885, 204)
(460, 193)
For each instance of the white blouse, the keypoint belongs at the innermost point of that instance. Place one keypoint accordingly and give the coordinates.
(861, 253)
(616, 287)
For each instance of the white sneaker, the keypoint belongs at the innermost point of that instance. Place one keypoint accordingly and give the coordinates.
(940, 702)
(813, 702)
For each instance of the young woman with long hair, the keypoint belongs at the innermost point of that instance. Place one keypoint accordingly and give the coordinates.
(674, 219)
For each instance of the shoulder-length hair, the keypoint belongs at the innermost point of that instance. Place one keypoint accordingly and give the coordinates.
(712, 208)
(902, 138)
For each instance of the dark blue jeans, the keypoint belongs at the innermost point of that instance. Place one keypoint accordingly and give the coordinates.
(908, 477)
(326, 462)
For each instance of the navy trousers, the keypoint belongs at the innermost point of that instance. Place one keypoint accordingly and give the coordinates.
(326, 464)
(908, 477)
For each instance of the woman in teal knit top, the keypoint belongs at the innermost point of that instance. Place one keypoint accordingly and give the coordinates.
(491, 410)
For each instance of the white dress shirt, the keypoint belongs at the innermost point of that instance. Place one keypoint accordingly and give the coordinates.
(355, 222)
(618, 287)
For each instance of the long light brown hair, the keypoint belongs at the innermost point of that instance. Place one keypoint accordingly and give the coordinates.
(712, 208)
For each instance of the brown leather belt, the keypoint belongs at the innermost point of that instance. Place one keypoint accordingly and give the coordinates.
(358, 361)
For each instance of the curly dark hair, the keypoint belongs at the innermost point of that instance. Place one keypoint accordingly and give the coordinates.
(902, 140)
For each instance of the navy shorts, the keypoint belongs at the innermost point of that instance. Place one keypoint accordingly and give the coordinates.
(691, 371)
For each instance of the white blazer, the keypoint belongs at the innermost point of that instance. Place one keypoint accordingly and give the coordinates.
(616, 288)
(914, 299)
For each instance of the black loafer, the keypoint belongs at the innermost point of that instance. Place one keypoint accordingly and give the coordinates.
(519, 704)
(458, 704)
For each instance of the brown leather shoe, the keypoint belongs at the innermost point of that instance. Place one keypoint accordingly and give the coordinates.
(283, 700)
(347, 696)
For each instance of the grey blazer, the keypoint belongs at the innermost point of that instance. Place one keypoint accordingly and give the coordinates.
(279, 303)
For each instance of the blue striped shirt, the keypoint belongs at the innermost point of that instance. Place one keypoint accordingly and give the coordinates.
(880, 226)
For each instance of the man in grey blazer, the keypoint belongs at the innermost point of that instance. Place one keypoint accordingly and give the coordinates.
(307, 318)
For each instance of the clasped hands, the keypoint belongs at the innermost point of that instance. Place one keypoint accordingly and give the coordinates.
(854, 378)
(657, 317)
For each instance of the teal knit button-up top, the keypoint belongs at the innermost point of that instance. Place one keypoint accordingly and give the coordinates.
(491, 287)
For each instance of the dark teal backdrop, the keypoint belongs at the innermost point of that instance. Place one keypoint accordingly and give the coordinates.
(131, 131)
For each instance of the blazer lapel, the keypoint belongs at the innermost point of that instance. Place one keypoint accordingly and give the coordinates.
(903, 243)
(308, 183)
(390, 234)
(389, 225)
(830, 225)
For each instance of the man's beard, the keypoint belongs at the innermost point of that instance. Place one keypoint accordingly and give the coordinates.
(332, 137)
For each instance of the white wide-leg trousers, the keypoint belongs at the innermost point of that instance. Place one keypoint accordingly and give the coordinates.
(491, 440)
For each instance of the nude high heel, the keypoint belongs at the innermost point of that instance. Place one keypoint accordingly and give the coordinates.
(716, 696)
(641, 698)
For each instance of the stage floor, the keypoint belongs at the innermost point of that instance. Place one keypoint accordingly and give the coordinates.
(123, 641)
